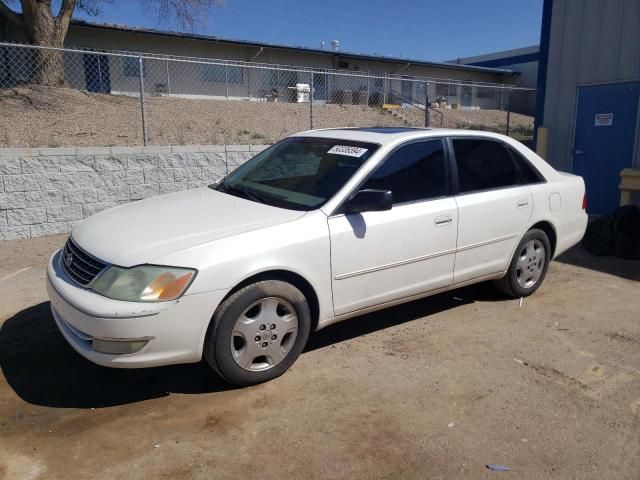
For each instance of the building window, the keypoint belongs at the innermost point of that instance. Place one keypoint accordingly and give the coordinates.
(279, 78)
(486, 92)
(446, 90)
(131, 67)
(343, 65)
(222, 73)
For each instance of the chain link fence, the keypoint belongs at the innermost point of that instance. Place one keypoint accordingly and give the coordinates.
(73, 97)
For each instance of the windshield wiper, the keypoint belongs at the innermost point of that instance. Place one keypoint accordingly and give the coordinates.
(242, 191)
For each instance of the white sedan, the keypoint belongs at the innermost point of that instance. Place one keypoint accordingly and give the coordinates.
(320, 227)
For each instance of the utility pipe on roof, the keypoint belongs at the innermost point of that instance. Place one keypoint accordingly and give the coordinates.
(401, 69)
(256, 54)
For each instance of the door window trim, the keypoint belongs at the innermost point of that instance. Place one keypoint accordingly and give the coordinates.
(447, 172)
(517, 157)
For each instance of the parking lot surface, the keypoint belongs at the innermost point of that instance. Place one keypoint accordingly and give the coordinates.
(437, 388)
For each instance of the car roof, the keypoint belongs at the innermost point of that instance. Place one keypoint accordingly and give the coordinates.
(391, 135)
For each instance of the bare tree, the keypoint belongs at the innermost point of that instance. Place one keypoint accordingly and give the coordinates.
(44, 27)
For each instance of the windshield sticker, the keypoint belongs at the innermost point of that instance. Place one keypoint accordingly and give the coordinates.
(347, 150)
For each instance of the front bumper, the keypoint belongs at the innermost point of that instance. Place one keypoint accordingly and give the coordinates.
(174, 331)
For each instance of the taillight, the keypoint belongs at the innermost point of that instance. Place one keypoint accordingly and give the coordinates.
(584, 202)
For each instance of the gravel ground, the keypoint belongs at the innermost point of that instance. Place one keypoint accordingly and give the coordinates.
(434, 389)
(61, 117)
(472, 119)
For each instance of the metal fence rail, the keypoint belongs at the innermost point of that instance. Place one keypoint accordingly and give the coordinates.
(235, 102)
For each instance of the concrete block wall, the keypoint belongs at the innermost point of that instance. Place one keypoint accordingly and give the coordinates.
(45, 191)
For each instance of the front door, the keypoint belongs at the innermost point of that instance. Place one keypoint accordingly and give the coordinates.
(466, 95)
(604, 140)
(406, 90)
(377, 257)
(319, 86)
(96, 73)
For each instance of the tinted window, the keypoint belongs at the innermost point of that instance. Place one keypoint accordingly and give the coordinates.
(483, 165)
(414, 172)
(528, 173)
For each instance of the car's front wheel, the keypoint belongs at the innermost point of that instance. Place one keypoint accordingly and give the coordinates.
(528, 266)
(258, 332)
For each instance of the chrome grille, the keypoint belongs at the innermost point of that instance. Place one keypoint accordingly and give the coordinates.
(79, 265)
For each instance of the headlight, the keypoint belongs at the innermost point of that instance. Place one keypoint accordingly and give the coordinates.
(145, 283)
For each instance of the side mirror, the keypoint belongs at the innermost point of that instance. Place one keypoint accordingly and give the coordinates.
(369, 201)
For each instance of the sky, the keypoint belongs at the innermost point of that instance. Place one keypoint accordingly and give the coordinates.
(415, 29)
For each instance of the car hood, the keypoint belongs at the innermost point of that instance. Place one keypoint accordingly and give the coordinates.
(141, 231)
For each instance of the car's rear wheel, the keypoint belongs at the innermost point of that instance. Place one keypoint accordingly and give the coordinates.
(258, 332)
(528, 266)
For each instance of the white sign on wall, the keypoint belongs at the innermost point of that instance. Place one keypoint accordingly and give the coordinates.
(604, 119)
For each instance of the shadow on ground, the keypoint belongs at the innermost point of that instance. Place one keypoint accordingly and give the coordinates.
(578, 256)
(44, 370)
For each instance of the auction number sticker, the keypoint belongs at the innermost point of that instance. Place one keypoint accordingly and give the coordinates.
(347, 150)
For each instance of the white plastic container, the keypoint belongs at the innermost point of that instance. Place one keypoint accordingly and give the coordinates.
(302, 92)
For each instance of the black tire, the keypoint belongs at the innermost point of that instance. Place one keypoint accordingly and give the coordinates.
(218, 351)
(509, 283)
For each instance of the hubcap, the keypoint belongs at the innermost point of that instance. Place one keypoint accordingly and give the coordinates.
(530, 264)
(264, 334)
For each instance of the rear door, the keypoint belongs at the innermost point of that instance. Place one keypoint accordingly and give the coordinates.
(494, 207)
(377, 257)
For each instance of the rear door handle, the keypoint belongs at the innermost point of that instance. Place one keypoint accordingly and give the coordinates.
(442, 221)
(523, 203)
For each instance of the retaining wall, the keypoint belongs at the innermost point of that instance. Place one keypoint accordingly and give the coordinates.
(45, 191)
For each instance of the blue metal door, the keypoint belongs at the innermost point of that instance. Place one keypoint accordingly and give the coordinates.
(96, 73)
(604, 140)
(406, 90)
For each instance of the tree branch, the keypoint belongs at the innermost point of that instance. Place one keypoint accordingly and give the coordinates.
(10, 15)
(66, 9)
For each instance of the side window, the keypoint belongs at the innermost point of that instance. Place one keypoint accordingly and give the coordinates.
(483, 165)
(529, 174)
(413, 172)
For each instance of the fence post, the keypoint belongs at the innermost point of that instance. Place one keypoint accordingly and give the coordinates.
(508, 111)
(426, 104)
(249, 70)
(384, 96)
(168, 80)
(226, 79)
(100, 85)
(142, 110)
(311, 102)
(368, 88)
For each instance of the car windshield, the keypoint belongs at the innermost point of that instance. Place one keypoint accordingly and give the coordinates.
(299, 173)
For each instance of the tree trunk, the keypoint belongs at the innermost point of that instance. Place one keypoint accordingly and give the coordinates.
(44, 29)
(48, 68)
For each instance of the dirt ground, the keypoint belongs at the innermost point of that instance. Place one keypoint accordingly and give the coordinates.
(435, 389)
(61, 117)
